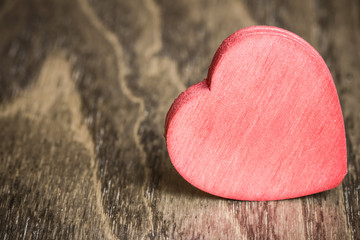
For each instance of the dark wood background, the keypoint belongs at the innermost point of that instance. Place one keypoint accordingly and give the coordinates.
(84, 89)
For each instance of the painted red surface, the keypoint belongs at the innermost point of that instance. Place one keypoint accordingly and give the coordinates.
(266, 124)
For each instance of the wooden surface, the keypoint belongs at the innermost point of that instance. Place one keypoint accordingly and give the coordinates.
(84, 89)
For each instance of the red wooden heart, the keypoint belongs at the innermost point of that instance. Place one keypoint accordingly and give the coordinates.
(266, 124)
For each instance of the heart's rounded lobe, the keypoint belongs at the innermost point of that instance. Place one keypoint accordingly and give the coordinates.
(266, 124)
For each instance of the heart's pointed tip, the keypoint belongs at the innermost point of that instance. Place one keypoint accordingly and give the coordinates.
(341, 176)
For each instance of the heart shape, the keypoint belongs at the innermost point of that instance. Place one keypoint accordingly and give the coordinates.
(266, 124)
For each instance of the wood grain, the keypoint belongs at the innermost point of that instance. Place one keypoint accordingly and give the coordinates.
(84, 89)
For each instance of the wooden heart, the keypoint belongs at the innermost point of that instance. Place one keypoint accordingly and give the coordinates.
(266, 124)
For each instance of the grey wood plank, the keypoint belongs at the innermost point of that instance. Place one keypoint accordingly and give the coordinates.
(84, 90)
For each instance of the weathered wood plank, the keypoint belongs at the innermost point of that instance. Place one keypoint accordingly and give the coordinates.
(84, 89)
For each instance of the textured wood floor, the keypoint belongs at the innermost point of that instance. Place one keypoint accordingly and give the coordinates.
(84, 89)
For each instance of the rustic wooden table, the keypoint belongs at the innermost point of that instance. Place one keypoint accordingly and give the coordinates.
(84, 89)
